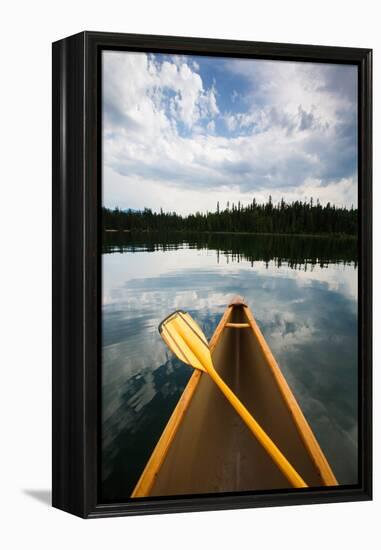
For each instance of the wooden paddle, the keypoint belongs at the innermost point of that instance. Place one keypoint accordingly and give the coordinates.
(186, 340)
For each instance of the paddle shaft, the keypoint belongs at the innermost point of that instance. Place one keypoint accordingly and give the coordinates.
(277, 456)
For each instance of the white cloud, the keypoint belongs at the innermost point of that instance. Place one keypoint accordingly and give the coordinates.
(135, 84)
(326, 89)
(295, 137)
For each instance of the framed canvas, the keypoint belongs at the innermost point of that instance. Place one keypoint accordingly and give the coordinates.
(211, 274)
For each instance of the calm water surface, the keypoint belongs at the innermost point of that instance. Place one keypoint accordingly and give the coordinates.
(303, 294)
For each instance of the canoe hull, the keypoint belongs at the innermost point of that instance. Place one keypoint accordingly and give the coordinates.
(209, 448)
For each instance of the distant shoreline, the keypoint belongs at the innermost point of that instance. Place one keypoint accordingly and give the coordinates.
(305, 235)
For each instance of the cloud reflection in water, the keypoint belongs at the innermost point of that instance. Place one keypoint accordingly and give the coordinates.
(307, 314)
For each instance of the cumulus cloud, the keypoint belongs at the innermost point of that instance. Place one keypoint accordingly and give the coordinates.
(291, 129)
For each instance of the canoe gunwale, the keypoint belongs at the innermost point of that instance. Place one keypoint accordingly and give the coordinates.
(147, 478)
(310, 442)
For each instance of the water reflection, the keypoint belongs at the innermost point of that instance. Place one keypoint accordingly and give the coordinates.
(294, 251)
(306, 305)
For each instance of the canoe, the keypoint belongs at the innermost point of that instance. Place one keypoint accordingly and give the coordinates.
(206, 448)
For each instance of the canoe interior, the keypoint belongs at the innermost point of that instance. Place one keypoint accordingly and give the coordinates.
(213, 451)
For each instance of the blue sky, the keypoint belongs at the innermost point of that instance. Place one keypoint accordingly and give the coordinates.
(183, 132)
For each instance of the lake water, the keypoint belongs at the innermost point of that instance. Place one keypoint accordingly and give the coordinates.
(303, 294)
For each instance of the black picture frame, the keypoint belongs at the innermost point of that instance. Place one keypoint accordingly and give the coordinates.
(76, 152)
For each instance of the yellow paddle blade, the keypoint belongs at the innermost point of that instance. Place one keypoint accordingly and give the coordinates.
(186, 340)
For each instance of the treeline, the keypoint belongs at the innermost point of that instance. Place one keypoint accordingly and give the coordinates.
(295, 218)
